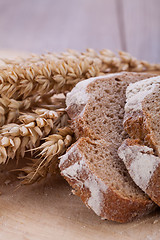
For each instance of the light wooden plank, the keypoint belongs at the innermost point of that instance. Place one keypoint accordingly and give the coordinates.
(142, 28)
(57, 25)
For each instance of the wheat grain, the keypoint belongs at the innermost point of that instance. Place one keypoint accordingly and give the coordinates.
(50, 75)
(10, 109)
(54, 146)
(15, 139)
(104, 59)
(60, 72)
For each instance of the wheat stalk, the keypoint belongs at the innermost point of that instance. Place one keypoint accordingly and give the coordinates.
(60, 72)
(15, 139)
(54, 146)
(52, 102)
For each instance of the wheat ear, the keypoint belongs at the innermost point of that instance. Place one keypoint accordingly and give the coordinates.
(15, 139)
(105, 59)
(59, 75)
(54, 146)
(60, 72)
(10, 108)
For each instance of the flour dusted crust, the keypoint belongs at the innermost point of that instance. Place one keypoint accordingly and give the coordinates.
(95, 193)
(143, 166)
(141, 162)
(79, 95)
(136, 93)
(102, 199)
(77, 99)
(84, 178)
(136, 119)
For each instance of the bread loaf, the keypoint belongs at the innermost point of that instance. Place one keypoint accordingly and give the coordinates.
(141, 121)
(91, 165)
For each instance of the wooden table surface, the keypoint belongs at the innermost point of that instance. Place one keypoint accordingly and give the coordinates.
(55, 25)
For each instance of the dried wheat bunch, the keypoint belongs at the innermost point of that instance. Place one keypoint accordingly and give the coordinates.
(60, 72)
(54, 146)
(10, 108)
(15, 139)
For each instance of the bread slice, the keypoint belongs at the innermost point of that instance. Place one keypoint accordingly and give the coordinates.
(143, 166)
(142, 112)
(91, 165)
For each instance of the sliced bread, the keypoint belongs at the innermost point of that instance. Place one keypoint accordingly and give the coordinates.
(91, 165)
(143, 166)
(142, 112)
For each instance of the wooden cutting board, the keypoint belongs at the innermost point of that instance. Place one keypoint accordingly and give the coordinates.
(48, 210)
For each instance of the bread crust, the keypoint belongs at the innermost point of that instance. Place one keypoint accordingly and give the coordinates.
(153, 189)
(133, 125)
(137, 125)
(152, 185)
(113, 207)
(137, 122)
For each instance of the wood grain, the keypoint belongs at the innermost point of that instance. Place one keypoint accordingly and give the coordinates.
(55, 25)
(38, 25)
(48, 210)
(142, 28)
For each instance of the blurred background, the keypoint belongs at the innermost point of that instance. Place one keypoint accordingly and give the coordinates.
(54, 25)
